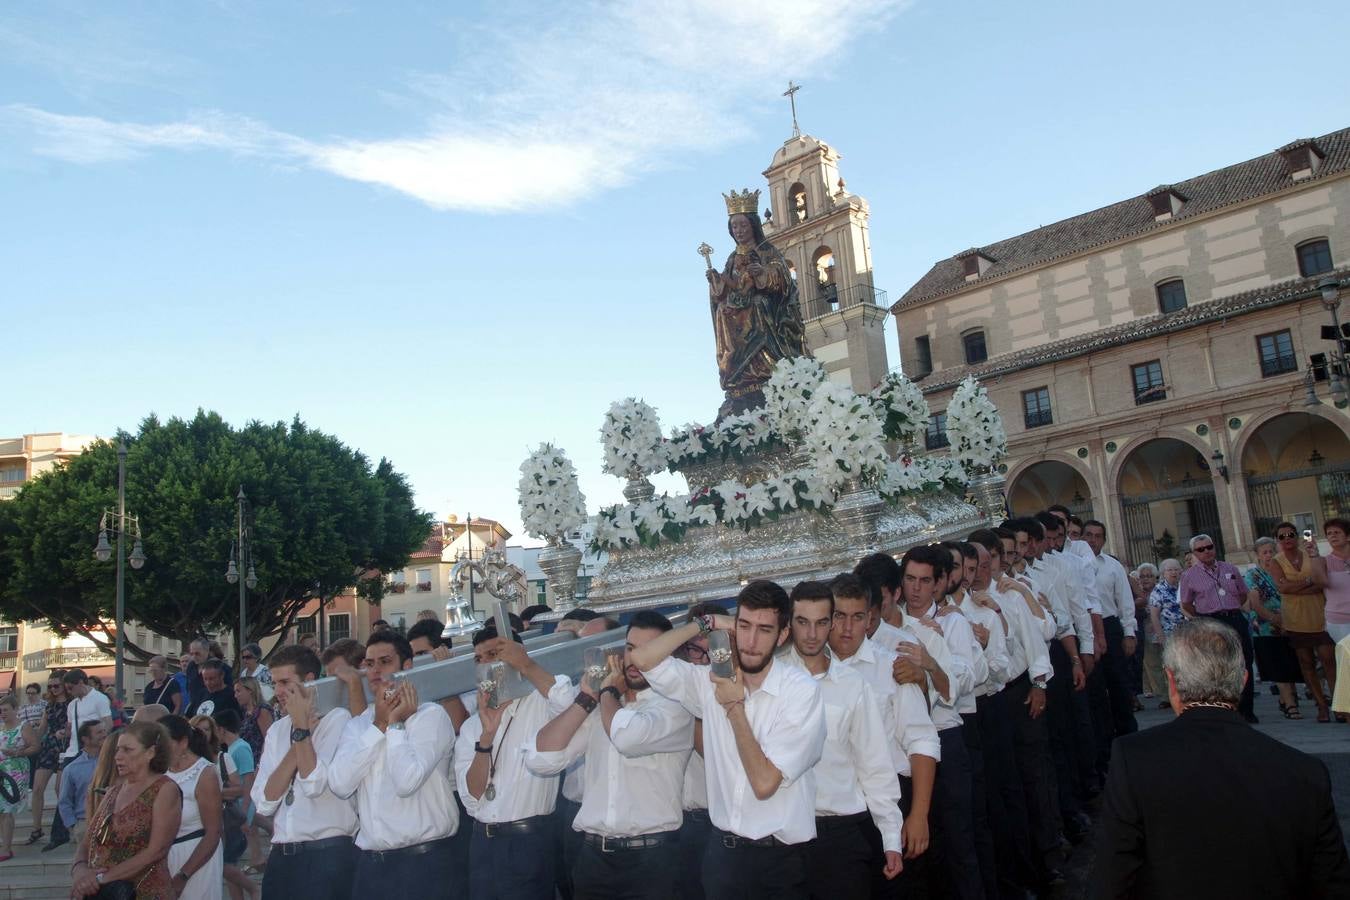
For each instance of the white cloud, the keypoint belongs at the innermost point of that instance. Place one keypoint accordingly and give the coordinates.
(540, 114)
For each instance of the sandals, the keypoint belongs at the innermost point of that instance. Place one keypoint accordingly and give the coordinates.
(34, 836)
(1291, 711)
(1323, 714)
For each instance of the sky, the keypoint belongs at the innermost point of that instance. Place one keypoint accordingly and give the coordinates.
(448, 232)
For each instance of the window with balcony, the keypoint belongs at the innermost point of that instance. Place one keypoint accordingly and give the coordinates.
(1314, 257)
(9, 638)
(973, 343)
(11, 475)
(424, 580)
(1148, 383)
(1277, 353)
(306, 625)
(339, 627)
(935, 438)
(1036, 407)
(398, 582)
(1171, 295)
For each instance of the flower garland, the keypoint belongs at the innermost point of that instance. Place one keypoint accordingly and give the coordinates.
(551, 503)
(975, 428)
(631, 435)
(902, 407)
(734, 436)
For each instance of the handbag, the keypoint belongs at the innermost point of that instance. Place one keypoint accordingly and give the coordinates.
(232, 822)
(116, 890)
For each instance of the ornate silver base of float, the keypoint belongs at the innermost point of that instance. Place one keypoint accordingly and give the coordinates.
(558, 561)
(714, 561)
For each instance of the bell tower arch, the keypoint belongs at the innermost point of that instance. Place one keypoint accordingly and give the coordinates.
(821, 229)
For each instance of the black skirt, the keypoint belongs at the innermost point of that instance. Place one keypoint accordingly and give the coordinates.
(1275, 659)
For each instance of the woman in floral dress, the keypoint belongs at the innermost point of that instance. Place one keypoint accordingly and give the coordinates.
(1164, 611)
(16, 743)
(1274, 658)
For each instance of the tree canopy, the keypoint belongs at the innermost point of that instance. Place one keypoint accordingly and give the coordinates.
(322, 520)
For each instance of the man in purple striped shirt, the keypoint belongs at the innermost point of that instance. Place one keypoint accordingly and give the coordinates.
(1216, 589)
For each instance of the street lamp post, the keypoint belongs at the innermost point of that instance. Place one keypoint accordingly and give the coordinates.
(122, 524)
(243, 548)
(1330, 289)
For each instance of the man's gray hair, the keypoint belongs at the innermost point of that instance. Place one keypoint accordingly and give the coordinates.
(1266, 542)
(1198, 538)
(1205, 658)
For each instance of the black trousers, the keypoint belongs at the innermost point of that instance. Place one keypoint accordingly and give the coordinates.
(459, 851)
(1066, 776)
(567, 842)
(395, 873)
(1235, 620)
(512, 866)
(955, 867)
(1111, 696)
(979, 785)
(327, 872)
(1031, 738)
(913, 881)
(651, 873)
(1007, 805)
(839, 861)
(753, 873)
(693, 841)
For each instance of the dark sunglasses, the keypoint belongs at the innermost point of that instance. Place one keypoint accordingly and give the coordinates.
(247, 656)
(1289, 536)
(1204, 549)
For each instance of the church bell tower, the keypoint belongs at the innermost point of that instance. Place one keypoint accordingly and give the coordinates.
(821, 229)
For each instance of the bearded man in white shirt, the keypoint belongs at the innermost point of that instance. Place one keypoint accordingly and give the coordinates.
(636, 744)
(857, 795)
(763, 732)
(513, 851)
(913, 740)
(395, 758)
(312, 849)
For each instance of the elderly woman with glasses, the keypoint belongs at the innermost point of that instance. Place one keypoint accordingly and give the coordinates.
(1164, 614)
(1300, 577)
(1274, 657)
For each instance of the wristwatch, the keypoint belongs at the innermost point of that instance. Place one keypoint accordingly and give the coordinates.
(398, 726)
(611, 689)
(299, 734)
(586, 702)
(98, 876)
(1038, 685)
(479, 748)
(704, 623)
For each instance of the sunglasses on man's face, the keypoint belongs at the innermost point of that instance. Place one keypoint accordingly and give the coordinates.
(1289, 536)
(247, 656)
(1204, 549)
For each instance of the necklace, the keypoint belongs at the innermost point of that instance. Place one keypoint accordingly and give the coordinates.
(490, 793)
(1210, 704)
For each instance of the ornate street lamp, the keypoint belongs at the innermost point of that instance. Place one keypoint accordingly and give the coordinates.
(118, 522)
(243, 550)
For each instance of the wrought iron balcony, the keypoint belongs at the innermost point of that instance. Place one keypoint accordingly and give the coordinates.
(64, 657)
(828, 297)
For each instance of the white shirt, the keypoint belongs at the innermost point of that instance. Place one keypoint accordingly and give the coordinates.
(92, 707)
(1113, 589)
(264, 677)
(787, 718)
(904, 710)
(315, 812)
(401, 778)
(854, 773)
(634, 775)
(519, 793)
(1076, 581)
(966, 653)
(1028, 650)
(911, 631)
(695, 793)
(995, 650)
(1081, 563)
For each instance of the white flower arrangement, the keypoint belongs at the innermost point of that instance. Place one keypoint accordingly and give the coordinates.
(551, 503)
(631, 435)
(975, 428)
(902, 408)
(788, 394)
(843, 437)
(733, 436)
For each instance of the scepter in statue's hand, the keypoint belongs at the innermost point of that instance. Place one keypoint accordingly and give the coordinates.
(706, 252)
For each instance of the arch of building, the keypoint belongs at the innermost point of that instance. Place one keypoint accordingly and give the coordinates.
(1036, 483)
(1144, 466)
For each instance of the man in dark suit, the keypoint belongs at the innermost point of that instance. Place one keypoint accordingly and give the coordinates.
(1207, 806)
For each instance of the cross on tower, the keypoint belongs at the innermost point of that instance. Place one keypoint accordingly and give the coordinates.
(791, 94)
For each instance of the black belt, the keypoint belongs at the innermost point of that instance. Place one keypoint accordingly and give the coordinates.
(296, 847)
(637, 842)
(832, 823)
(191, 835)
(735, 841)
(414, 850)
(1024, 678)
(519, 826)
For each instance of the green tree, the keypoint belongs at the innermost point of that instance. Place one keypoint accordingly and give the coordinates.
(323, 520)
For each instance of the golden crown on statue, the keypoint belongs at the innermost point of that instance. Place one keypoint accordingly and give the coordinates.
(743, 202)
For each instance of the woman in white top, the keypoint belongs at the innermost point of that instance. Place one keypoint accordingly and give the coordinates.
(195, 859)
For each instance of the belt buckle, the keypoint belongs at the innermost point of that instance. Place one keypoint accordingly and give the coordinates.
(604, 845)
(729, 841)
(290, 849)
(488, 830)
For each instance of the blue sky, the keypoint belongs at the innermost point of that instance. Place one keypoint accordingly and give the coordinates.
(448, 232)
